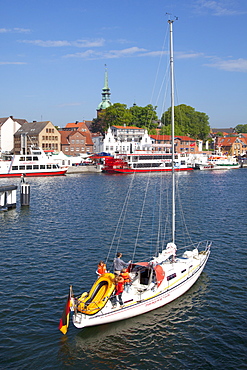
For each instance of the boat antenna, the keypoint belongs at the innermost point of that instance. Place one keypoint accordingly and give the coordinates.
(172, 124)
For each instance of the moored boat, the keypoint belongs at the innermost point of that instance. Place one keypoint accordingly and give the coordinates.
(218, 162)
(142, 161)
(37, 163)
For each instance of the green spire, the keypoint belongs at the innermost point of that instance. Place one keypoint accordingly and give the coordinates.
(105, 93)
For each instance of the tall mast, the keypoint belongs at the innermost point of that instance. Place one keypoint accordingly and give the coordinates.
(172, 123)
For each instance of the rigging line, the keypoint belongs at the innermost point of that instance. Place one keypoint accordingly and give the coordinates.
(158, 69)
(159, 214)
(141, 216)
(153, 221)
(182, 215)
(167, 219)
(126, 201)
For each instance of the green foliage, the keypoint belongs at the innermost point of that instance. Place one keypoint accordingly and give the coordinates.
(97, 126)
(187, 122)
(144, 116)
(241, 128)
(119, 115)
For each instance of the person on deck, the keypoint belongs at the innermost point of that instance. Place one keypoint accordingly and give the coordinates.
(125, 275)
(119, 264)
(101, 268)
(119, 282)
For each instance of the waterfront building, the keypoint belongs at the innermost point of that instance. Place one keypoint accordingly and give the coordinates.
(43, 135)
(76, 139)
(232, 145)
(183, 144)
(123, 139)
(8, 127)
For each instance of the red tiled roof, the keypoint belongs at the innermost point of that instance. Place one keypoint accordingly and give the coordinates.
(227, 141)
(74, 124)
(83, 129)
(128, 127)
(168, 138)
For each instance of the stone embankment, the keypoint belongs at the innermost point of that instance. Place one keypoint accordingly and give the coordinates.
(83, 169)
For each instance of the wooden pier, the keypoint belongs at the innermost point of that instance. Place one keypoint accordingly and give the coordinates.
(7, 197)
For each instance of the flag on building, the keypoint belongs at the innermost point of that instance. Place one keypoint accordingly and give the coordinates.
(64, 321)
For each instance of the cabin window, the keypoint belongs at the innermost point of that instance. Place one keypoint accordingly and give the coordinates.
(22, 158)
(172, 276)
(29, 167)
(14, 168)
(35, 166)
(29, 158)
(48, 166)
(21, 167)
(54, 166)
(42, 166)
(35, 159)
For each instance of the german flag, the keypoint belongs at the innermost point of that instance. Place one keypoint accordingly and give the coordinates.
(64, 321)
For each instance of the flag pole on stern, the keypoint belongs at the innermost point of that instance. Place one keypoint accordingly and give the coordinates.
(64, 321)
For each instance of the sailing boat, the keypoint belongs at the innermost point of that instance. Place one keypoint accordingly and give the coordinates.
(156, 282)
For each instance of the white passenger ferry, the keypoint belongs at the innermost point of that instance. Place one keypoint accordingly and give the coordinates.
(35, 164)
(146, 162)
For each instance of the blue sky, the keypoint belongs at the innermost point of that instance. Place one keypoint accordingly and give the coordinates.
(53, 54)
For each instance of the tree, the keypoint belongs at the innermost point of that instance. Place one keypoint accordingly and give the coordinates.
(187, 122)
(97, 125)
(241, 128)
(144, 116)
(119, 115)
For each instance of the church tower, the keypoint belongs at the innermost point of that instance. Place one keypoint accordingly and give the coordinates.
(105, 103)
